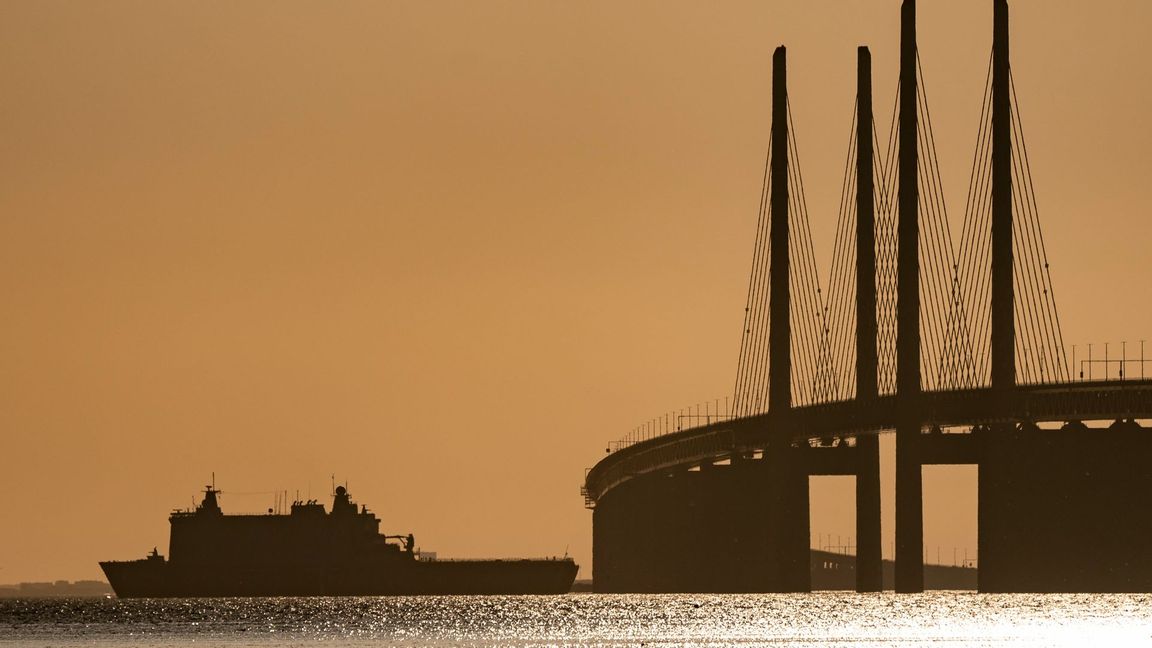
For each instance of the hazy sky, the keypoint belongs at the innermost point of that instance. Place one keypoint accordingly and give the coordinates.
(448, 250)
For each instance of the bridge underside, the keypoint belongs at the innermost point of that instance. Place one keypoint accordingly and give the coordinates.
(1064, 510)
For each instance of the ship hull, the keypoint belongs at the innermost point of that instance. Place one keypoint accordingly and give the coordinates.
(157, 579)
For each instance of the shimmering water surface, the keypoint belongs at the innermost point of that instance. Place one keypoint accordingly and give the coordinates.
(820, 619)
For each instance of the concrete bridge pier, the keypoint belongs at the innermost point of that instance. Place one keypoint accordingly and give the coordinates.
(677, 532)
(869, 561)
(629, 527)
(788, 518)
(909, 511)
(1065, 510)
(722, 528)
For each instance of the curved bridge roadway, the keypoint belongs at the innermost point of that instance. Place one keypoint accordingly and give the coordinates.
(1044, 403)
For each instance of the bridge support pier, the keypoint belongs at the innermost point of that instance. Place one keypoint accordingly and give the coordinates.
(788, 517)
(869, 565)
(690, 531)
(909, 511)
(1065, 510)
(727, 528)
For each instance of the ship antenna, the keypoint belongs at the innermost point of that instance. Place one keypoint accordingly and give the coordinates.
(332, 493)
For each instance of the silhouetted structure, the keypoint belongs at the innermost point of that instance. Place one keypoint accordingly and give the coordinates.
(837, 571)
(310, 552)
(909, 495)
(56, 589)
(868, 536)
(723, 507)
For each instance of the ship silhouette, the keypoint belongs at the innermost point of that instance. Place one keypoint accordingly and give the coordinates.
(312, 552)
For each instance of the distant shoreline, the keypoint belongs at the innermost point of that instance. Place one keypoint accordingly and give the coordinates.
(56, 589)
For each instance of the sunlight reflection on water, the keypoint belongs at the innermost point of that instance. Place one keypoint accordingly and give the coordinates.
(819, 619)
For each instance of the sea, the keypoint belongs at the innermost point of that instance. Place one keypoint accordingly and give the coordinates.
(839, 619)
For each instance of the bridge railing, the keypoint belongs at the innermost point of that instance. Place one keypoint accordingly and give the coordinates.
(699, 415)
(1088, 364)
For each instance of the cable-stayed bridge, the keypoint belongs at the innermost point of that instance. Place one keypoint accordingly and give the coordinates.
(955, 346)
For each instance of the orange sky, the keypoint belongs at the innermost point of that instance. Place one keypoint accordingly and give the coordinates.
(449, 250)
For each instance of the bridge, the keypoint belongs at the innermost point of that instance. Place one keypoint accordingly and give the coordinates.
(956, 350)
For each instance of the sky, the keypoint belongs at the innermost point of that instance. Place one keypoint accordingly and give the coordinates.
(447, 251)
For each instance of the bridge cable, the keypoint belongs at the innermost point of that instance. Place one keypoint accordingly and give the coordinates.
(799, 316)
(835, 309)
(841, 279)
(975, 271)
(936, 242)
(1027, 297)
(1052, 313)
(971, 236)
(886, 257)
(748, 342)
(812, 322)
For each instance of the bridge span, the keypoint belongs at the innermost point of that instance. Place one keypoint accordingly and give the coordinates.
(836, 426)
(960, 355)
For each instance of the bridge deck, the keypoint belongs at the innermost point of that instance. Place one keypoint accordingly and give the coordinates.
(1063, 402)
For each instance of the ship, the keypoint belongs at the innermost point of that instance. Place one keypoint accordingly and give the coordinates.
(308, 551)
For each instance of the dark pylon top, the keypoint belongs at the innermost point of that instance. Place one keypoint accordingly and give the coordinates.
(779, 332)
(1003, 322)
(908, 226)
(866, 352)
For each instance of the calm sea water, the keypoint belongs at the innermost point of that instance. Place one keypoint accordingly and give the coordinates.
(819, 619)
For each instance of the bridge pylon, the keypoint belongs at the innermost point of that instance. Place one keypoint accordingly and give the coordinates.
(909, 486)
(1001, 436)
(869, 566)
(788, 515)
(1003, 317)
